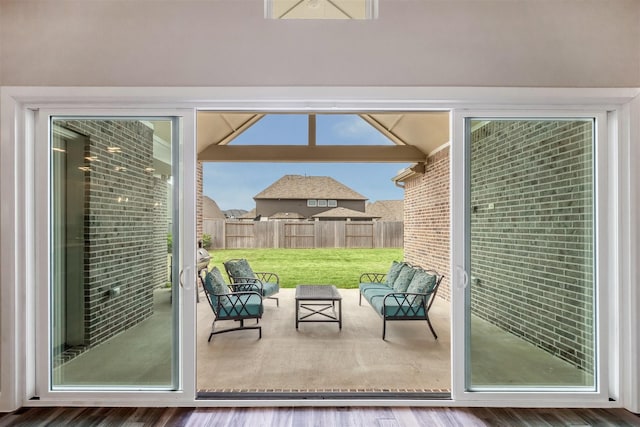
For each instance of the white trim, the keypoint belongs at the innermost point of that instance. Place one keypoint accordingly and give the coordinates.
(629, 134)
(320, 98)
(15, 207)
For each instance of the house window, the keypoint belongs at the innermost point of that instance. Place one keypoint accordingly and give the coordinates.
(311, 203)
(332, 203)
(322, 203)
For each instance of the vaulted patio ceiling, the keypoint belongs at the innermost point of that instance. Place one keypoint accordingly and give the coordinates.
(414, 136)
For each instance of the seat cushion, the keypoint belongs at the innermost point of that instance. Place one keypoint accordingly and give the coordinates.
(370, 289)
(240, 305)
(268, 288)
(401, 284)
(396, 307)
(239, 268)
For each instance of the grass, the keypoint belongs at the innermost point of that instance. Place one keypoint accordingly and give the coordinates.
(340, 267)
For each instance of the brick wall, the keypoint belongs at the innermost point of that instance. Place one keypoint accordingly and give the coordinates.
(531, 238)
(125, 229)
(427, 218)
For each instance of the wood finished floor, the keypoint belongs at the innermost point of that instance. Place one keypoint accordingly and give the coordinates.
(300, 417)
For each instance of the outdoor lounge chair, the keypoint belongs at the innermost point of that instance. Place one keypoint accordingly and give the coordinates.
(243, 278)
(228, 305)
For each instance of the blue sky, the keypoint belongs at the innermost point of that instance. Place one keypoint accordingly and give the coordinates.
(233, 185)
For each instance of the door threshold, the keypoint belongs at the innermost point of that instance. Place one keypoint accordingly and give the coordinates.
(323, 395)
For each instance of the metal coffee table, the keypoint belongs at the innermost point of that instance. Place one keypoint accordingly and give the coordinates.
(319, 303)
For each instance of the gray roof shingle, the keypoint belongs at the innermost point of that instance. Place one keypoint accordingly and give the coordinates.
(308, 187)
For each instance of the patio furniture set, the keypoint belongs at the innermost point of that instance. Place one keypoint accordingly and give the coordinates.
(405, 292)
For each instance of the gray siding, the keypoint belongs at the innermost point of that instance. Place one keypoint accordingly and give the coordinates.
(268, 207)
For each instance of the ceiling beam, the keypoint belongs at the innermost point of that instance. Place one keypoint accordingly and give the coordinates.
(382, 129)
(310, 153)
(312, 129)
(237, 132)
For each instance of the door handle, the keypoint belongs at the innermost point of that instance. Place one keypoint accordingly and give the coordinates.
(186, 269)
(462, 279)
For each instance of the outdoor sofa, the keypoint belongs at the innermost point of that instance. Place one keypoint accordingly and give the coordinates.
(405, 292)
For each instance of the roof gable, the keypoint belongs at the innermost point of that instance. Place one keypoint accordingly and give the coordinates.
(343, 213)
(308, 187)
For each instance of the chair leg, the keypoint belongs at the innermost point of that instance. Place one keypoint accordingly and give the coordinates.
(384, 327)
(277, 300)
(431, 327)
(213, 324)
(359, 298)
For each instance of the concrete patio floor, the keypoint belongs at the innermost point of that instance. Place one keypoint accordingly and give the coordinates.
(317, 356)
(320, 356)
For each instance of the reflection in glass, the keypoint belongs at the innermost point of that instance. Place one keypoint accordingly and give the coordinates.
(532, 286)
(111, 313)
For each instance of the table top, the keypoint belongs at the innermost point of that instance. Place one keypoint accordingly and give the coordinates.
(317, 292)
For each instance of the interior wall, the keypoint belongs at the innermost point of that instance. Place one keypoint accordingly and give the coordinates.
(568, 43)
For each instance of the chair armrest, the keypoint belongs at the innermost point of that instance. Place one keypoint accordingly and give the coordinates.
(251, 284)
(234, 296)
(409, 303)
(267, 277)
(373, 277)
(234, 305)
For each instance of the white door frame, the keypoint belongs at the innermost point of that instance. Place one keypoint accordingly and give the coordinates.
(18, 216)
(605, 205)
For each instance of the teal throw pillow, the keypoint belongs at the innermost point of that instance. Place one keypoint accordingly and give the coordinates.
(421, 283)
(392, 275)
(239, 269)
(214, 283)
(404, 278)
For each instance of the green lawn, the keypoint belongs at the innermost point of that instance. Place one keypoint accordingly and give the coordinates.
(340, 267)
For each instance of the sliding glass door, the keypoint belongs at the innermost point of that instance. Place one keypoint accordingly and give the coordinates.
(114, 249)
(527, 254)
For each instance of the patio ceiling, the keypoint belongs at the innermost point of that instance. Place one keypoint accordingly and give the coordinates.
(414, 136)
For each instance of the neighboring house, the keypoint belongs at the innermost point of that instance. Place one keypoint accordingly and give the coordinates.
(343, 214)
(234, 213)
(386, 210)
(210, 209)
(307, 196)
(247, 216)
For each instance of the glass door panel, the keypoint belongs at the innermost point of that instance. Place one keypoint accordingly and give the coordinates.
(531, 294)
(113, 287)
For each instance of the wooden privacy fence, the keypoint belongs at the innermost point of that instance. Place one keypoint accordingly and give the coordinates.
(301, 235)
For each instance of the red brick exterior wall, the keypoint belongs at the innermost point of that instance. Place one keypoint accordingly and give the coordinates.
(427, 219)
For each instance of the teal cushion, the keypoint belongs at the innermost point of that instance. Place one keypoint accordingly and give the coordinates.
(239, 268)
(244, 305)
(214, 285)
(399, 307)
(421, 283)
(404, 278)
(375, 289)
(268, 288)
(393, 272)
